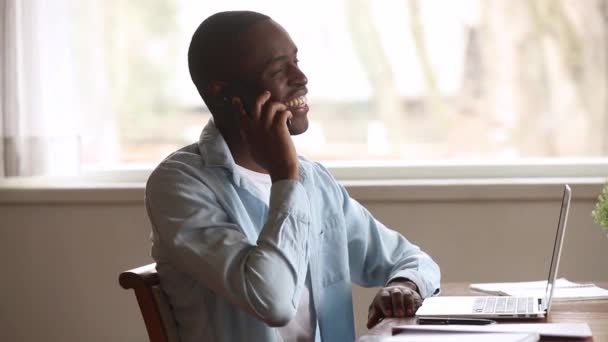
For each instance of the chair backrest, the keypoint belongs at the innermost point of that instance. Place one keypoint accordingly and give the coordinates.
(153, 304)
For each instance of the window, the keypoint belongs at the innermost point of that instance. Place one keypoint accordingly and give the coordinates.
(402, 81)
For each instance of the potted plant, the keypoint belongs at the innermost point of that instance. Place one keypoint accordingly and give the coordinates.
(600, 213)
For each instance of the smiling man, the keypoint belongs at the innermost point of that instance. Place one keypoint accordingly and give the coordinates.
(253, 242)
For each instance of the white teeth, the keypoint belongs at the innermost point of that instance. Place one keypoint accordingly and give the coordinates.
(297, 102)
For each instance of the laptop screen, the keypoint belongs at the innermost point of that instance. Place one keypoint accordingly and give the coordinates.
(557, 246)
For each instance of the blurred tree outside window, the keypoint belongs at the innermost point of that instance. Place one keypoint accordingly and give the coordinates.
(393, 80)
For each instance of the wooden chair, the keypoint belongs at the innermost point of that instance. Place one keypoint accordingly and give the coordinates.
(153, 304)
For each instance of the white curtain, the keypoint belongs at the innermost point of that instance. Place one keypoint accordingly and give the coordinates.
(38, 95)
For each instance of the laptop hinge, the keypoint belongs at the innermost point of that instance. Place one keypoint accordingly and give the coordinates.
(542, 304)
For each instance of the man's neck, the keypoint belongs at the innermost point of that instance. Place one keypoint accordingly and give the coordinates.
(241, 153)
(248, 163)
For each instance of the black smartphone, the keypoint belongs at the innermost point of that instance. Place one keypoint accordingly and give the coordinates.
(453, 321)
(246, 94)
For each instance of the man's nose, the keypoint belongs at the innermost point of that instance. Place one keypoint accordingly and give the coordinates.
(298, 77)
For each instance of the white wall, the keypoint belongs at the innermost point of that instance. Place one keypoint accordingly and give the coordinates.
(61, 250)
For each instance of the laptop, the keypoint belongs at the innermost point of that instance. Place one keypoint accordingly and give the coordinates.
(503, 307)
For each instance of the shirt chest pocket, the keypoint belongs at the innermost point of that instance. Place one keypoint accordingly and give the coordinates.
(334, 251)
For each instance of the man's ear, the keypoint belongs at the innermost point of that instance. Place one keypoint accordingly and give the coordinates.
(216, 88)
(224, 120)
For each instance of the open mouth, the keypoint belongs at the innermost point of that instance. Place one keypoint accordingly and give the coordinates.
(298, 102)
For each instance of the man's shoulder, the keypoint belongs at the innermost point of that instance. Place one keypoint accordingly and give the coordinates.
(314, 168)
(187, 162)
(319, 177)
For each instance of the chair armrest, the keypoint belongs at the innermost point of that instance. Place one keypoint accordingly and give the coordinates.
(144, 276)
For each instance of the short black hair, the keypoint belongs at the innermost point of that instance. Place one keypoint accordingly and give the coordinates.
(214, 46)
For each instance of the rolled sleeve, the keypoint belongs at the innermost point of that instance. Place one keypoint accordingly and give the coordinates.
(290, 196)
(426, 287)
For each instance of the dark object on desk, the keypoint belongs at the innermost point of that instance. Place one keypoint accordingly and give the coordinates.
(448, 320)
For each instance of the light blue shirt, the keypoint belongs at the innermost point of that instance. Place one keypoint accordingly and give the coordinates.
(233, 267)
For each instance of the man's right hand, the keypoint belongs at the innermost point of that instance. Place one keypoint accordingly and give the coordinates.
(265, 129)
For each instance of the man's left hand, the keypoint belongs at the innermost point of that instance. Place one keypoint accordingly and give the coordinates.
(399, 298)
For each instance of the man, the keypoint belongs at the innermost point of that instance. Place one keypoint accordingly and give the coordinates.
(252, 242)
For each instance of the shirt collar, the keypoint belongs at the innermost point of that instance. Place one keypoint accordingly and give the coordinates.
(214, 150)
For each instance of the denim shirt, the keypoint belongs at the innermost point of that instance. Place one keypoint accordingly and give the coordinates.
(233, 267)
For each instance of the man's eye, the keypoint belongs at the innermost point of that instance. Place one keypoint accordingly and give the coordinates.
(276, 72)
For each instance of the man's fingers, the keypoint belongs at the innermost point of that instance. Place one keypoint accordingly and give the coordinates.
(398, 302)
(259, 103)
(410, 307)
(417, 301)
(270, 112)
(394, 301)
(412, 301)
(386, 303)
(280, 119)
(374, 317)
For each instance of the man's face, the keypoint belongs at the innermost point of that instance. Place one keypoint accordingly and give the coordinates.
(270, 62)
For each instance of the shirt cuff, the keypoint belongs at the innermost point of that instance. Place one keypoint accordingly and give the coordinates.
(290, 196)
(424, 288)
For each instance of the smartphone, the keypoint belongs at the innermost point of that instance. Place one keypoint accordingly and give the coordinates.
(244, 93)
(450, 321)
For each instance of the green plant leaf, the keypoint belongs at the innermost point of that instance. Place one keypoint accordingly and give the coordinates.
(600, 213)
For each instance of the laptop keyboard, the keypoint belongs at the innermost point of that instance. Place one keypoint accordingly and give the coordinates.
(504, 305)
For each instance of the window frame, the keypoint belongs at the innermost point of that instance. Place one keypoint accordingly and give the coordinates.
(531, 181)
(387, 172)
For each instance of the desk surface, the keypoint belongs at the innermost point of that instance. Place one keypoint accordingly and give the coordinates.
(595, 313)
